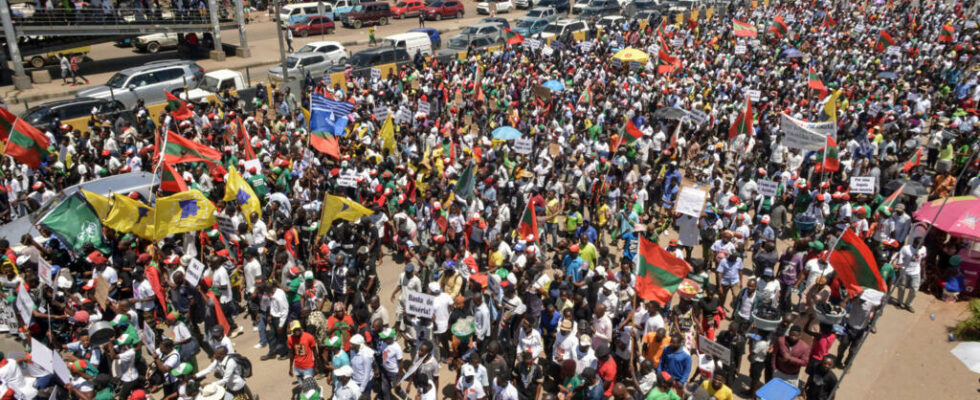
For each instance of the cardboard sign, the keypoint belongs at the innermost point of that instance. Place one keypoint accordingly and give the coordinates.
(872, 296)
(195, 270)
(554, 149)
(225, 225)
(719, 352)
(740, 49)
(25, 305)
(424, 107)
(375, 74)
(690, 201)
(44, 273)
(102, 292)
(419, 304)
(347, 180)
(523, 146)
(542, 93)
(381, 113)
(862, 184)
(767, 188)
(755, 95)
(894, 51)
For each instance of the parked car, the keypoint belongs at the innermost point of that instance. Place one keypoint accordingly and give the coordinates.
(407, 8)
(561, 6)
(334, 51)
(579, 7)
(433, 36)
(51, 57)
(651, 16)
(460, 43)
(610, 21)
(212, 84)
(362, 61)
(147, 82)
(547, 13)
(313, 25)
(77, 112)
(297, 65)
(373, 13)
(564, 28)
(493, 31)
(528, 26)
(440, 9)
(502, 6)
(155, 42)
(523, 4)
(294, 13)
(412, 42)
(496, 20)
(598, 9)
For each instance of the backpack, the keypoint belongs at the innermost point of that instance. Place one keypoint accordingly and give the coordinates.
(243, 363)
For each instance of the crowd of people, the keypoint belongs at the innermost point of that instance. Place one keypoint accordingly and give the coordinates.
(518, 270)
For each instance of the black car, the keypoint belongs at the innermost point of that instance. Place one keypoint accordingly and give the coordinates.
(77, 112)
(561, 6)
(363, 61)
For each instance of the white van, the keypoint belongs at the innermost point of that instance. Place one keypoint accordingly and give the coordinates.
(293, 13)
(411, 42)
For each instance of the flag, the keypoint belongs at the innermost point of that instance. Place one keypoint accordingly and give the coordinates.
(742, 29)
(152, 275)
(99, 203)
(22, 141)
(76, 223)
(170, 180)
(667, 58)
(827, 159)
(889, 202)
(816, 84)
(855, 265)
(513, 37)
(743, 122)
(186, 211)
(130, 216)
(659, 273)
(388, 135)
(884, 39)
(329, 115)
(325, 143)
(177, 107)
(633, 133)
(829, 110)
(336, 207)
(465, 184)
(946, 33)
(180, 150)
(828, 22)
(586, 97)
(778, 26)
(529, 222)
(245, 139)
(241, 192)
(914, 162)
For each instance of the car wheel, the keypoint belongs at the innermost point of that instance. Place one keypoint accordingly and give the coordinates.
(329, 31)
(438, 17)
(37, 61)
(383, 21)
(304, 33)
(342, 61)
(153, 47)
(357, 24)
(459, 14)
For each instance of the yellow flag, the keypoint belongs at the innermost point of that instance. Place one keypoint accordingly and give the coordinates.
(388, 134)
(306, 117)
(241, 192)
(336, 207)
(830, 107)
(130, 216)
(183, 212)
(98, 202)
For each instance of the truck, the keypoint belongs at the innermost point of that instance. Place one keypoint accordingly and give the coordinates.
(215, 83)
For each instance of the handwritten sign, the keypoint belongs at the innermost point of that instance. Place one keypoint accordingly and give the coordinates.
(44, 273)
(195, 270)
(768, 188)
(690, 201)
(532, 43)
(755, 95)
(523, 146)
(740, 49)
(347, 180)
(424, 107)
(419, 304)
(585, 46)
(894, 51)
(25, 305)
(677, 42)
(381, 113)
(719, 352)
(375, 74)
(862, 184)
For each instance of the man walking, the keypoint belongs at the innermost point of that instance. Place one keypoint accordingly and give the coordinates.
(421, 19)
(910, 265)
(289, 40)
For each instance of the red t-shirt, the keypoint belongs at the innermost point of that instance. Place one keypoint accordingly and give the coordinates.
(607, 371)
(303, 350)
(343, 327)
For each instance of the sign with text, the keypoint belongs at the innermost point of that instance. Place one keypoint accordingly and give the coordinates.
(862, 184)
(25, 305)
(375, 74)
(44, 273)
(419, 304)
(740, 49)
(195, 270)
(768, 188)
(523, 146)
(803, 135)
(719, 352)
(254, 163)
(755, 95)
(690, 201)
(381, 113)
(894, 51)
(424, 107)
(347, 180)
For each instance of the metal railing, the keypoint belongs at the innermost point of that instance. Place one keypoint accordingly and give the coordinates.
(119, 17)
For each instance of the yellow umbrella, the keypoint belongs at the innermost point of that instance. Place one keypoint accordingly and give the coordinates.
(630, 54)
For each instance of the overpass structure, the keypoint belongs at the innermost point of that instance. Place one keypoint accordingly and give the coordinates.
(90, 24)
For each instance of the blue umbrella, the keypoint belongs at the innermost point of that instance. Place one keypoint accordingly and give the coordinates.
(888, 75)
(792, 53)
(506, 133)
(555, 86)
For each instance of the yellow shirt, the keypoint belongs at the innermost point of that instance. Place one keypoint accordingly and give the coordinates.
(725, 393)
(603, 217)
(589, 254)
(552, 208)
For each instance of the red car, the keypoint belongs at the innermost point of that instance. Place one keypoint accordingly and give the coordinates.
(314, 25)
(444, 8)
(408, 8)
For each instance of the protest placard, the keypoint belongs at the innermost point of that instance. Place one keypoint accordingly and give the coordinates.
(375, 74)
(767, 187)
(419, 304)
(523, 146)
(862, 184)
(424, 107)
(719, 352)
(195, 270)
(740, 49)
(803, 135)
(690, 201)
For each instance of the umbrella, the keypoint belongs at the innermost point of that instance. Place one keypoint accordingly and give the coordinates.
(630, 54)
(960, 216)
(506, 133)
(888, 75)
(969, 354)
(792, 53)
(912, 188)
(555, 86)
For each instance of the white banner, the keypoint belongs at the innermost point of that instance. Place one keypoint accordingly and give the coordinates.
(424, 107)
(768, 188)
(195, 270)
(690, 201)
(798, 134)
(523, 146)
(347, 180)
(419, 304)
(255, 163)
(862, 184)
(740, 49)
(375, 74)
(893, 51)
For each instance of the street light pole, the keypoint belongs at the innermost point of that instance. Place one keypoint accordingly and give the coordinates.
(282, 45)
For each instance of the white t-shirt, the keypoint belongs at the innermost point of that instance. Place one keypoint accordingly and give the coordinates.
(653, 324)
(221, 281)
(126, 366)
(441, 306)
(911, 259)
(472, 390)
(391, 357)
(815, 270)
(143, 291)
(110, 275)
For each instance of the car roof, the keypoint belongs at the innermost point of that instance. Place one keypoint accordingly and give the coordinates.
(153, 65)
(426, 30)
(64, 102)
(541, 8)
(325, 43)
(378, 50)
(306, 55)
(566, 21)
(407, 35)
(485, 24)
(532, 19)
(222, 73)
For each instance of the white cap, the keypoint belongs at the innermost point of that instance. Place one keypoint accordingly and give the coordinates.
(344, 371)
(468, 370)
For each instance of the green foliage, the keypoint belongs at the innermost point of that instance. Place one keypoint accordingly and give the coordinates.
(969, 328)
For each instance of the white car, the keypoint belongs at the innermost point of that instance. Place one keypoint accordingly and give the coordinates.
(153, 42)
(335, 52)
(503, 6)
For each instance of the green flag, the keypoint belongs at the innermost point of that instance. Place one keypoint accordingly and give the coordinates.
(76, 223)
(465, 184)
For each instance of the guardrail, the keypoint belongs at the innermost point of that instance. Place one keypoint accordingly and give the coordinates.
(118, 17)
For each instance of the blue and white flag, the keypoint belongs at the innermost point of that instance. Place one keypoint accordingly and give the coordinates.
(329, 115)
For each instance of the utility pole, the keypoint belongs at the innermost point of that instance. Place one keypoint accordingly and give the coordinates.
(282, 45)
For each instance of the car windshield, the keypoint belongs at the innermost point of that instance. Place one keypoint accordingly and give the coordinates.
(38, 115)
(458, 43)
(209, 84)
(535, 13)
(552, 29)
(401, 4)
(469, 30)
(360, 60)
(307, 49)
(525, 23)
(117, 81)
(291, 61)
(436, 4)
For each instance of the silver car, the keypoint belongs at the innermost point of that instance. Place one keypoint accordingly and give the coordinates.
(299, 64)
(148, 82)
(492, 31)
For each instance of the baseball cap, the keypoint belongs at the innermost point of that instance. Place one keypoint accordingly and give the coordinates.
(294, 325)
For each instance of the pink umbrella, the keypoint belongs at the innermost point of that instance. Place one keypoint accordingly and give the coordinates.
(960, 216)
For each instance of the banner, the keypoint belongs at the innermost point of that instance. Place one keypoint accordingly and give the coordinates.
(690, 201)
(803, 135)
(419, 304)
(767, 188)
(696, 116)
(862, 184)
(523, 146)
